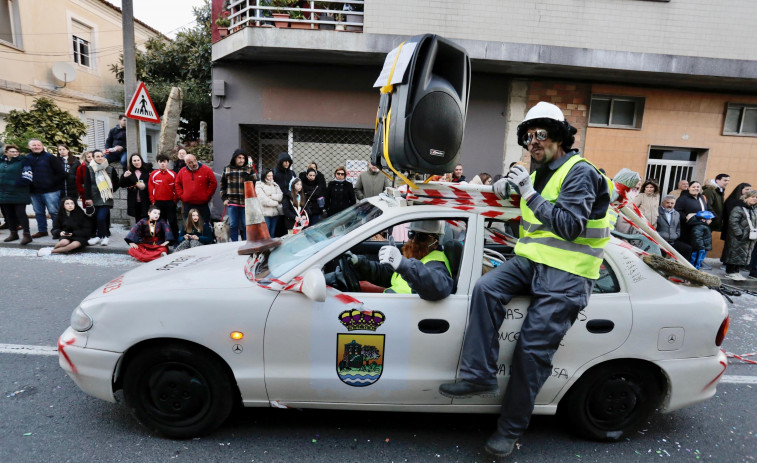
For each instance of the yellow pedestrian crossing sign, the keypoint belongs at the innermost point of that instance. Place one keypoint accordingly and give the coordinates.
(141, 107)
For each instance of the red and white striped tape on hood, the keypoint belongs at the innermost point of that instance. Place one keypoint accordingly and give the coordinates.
(254, 266)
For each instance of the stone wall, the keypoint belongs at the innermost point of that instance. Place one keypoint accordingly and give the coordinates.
(118, 213)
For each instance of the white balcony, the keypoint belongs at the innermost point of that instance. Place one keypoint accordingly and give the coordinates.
(342, 15)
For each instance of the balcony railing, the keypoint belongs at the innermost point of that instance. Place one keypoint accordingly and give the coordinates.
(344, 15)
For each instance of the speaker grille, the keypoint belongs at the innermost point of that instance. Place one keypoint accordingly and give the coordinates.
(436, 128)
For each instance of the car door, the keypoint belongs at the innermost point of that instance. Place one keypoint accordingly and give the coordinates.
(601, 327)
(367, 348)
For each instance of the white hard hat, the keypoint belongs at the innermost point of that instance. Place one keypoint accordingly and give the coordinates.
(433, 227)
(544, 110)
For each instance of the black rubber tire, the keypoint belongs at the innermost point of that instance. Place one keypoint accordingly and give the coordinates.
(611, 400)
(179, 391)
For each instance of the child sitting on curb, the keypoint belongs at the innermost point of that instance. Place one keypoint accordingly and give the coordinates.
(149, 238)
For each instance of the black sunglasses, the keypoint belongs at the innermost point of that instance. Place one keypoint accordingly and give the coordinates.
(541, 135)
(412, 234)
(339, 174)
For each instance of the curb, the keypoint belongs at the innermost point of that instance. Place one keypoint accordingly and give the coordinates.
(36, 245)
(750, 285)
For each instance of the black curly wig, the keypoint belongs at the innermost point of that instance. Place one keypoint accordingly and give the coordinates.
(561, 132)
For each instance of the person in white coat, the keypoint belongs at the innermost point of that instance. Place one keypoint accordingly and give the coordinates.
(270, 195)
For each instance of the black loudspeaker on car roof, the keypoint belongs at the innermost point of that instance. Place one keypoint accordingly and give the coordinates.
(426, 112)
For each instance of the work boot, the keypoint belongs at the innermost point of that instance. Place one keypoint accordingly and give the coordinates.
(464, 389)
(13, 237)
(39, 234)
(26, 239)
(4, 226)
(499, 445)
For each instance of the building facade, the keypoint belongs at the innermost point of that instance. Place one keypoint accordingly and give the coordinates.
(666, 88)
(42, 41)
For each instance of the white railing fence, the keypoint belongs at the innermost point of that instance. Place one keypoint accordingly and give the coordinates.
(322, 14)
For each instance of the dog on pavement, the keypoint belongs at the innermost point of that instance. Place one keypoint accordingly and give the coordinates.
(221, 230)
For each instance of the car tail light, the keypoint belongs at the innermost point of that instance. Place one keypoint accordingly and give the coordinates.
(722, 332)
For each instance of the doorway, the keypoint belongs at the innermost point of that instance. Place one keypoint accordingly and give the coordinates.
(669, 165)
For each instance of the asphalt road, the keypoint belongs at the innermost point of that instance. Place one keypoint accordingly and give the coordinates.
(45, 417)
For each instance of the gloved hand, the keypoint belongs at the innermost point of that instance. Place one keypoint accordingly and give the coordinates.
(520, 179)
(502, 189)
(390, 255)
(353, 258)
(27, 175)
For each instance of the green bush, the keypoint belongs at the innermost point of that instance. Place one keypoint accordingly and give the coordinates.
(22, 140)
(47, 122)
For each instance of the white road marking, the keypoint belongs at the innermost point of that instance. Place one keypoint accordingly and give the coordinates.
(52, 350)
(29, 350)
(739, 379)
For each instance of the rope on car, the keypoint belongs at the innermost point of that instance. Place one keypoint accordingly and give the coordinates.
(741, 357)
(737, 291)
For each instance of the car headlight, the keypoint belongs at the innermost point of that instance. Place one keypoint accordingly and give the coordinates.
(80, 321)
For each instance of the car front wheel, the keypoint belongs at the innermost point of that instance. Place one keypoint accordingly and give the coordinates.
(179, 391)
(611, 400)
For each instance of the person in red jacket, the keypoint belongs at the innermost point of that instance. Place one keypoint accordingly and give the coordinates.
(195, 185)
(162, 189)
(81, 172)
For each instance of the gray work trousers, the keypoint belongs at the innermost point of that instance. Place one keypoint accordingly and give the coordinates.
(557, 297)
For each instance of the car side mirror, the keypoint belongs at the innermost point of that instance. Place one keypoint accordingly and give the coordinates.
(314, 284)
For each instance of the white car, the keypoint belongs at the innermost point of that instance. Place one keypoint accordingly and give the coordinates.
(191, 334)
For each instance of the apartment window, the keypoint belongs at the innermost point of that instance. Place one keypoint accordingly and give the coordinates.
(616, 111)
(9, 21)
(82, 40)
(740, 119)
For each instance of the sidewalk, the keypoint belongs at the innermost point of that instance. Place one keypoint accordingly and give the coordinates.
(718, 269)
(116, 245)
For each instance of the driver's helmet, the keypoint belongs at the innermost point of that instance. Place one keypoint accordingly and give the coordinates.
(432, 227)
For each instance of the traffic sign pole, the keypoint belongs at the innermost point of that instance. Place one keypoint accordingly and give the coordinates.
(130, 72)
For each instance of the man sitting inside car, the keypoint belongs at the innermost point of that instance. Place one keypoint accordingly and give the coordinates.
(421, 268)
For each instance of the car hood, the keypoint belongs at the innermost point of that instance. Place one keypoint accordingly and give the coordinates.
(215, 266)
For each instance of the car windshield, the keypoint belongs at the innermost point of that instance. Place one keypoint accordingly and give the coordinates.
(299, 247)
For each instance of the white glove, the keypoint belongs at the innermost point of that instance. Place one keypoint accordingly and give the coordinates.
(352, 257)
(519, 178)
(390, 255)
(501, 189)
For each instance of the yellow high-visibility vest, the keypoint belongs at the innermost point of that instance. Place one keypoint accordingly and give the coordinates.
(400, 286)
(582, 256)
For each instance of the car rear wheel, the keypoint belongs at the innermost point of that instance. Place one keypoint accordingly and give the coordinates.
(611, 400)
(179, 391)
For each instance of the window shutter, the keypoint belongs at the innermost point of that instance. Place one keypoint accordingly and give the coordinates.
(80, 30)
(90, 134)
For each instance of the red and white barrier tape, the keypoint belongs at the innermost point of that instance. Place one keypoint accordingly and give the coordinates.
(254, 263)
(741, 357)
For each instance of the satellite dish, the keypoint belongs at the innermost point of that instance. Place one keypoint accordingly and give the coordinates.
(64, 72)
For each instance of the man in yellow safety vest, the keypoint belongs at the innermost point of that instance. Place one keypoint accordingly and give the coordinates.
(420, 268)
(564, 229)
